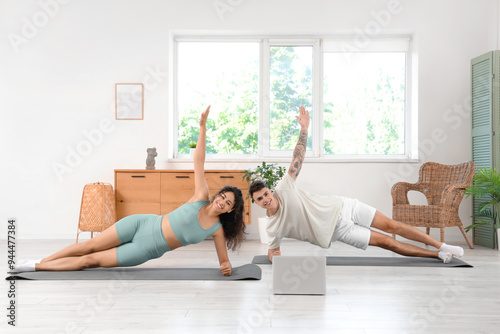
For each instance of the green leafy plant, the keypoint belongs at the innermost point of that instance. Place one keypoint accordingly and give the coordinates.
(192, 144)
(485, 185)
(270, 174)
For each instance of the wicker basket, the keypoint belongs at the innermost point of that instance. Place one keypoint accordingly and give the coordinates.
(98, 208)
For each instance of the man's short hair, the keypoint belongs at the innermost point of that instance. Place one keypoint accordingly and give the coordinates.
(256, 186)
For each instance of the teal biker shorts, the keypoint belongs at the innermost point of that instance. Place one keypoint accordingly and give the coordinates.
(142, 239)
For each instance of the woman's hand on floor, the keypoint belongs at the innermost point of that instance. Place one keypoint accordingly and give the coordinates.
(226, 268)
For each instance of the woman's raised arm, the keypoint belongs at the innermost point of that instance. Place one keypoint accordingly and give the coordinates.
(200, 183)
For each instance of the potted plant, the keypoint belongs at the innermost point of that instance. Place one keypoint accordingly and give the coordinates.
(486, 185)
(192, 148)
(270, 174)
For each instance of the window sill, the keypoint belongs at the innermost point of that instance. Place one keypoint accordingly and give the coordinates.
(307, 160)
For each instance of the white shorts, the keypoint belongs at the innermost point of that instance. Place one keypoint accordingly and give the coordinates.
(353, 226)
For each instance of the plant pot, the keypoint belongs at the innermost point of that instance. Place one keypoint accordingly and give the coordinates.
(262, 230)
(191, 152)
(498, 238)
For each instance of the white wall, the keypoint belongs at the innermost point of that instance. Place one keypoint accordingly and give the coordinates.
(61, 59)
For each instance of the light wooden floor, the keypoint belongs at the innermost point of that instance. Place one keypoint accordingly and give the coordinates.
(371, 300)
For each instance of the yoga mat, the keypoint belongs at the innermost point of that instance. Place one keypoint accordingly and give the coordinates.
(244, 272)
(380, 261)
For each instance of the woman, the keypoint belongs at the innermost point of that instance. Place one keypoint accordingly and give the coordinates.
(138, 238)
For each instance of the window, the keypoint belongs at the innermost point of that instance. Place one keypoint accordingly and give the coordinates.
(364, 103)
(291, 85)
(224, 75)
(357, 98)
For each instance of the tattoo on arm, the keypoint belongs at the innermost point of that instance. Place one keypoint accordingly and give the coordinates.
(299, 154)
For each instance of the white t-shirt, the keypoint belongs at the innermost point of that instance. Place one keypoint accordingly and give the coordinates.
(302, 215)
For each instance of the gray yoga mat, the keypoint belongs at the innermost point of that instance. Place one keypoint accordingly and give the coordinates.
(380, 261)
(244, 272)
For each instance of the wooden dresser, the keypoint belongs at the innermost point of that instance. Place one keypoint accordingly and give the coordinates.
(162, 191)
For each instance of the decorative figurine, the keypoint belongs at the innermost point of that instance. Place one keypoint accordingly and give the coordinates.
(150, 161)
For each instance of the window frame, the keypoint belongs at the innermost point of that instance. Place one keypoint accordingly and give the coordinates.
(315, 129)
(384, 44)
(264, 111)
(175, 119)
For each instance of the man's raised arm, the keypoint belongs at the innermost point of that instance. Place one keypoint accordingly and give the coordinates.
(299, 152)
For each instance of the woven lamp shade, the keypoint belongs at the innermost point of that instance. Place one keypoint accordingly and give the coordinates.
(98, 208)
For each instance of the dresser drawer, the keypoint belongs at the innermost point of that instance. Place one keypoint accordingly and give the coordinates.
(137, 193)
(217, 180)
(176, 189)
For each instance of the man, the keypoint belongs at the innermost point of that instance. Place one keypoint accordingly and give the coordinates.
(321, 220)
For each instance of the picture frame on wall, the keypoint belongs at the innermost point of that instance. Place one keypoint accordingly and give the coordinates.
(129, 101)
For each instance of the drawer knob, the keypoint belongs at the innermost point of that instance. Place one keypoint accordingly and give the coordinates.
(138, 176)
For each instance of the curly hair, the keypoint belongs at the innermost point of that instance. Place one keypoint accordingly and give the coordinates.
(232, 222)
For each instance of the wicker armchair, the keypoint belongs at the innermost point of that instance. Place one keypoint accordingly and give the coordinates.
(443, 186)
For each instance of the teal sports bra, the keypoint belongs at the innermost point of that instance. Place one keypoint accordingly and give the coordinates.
(185, 225)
